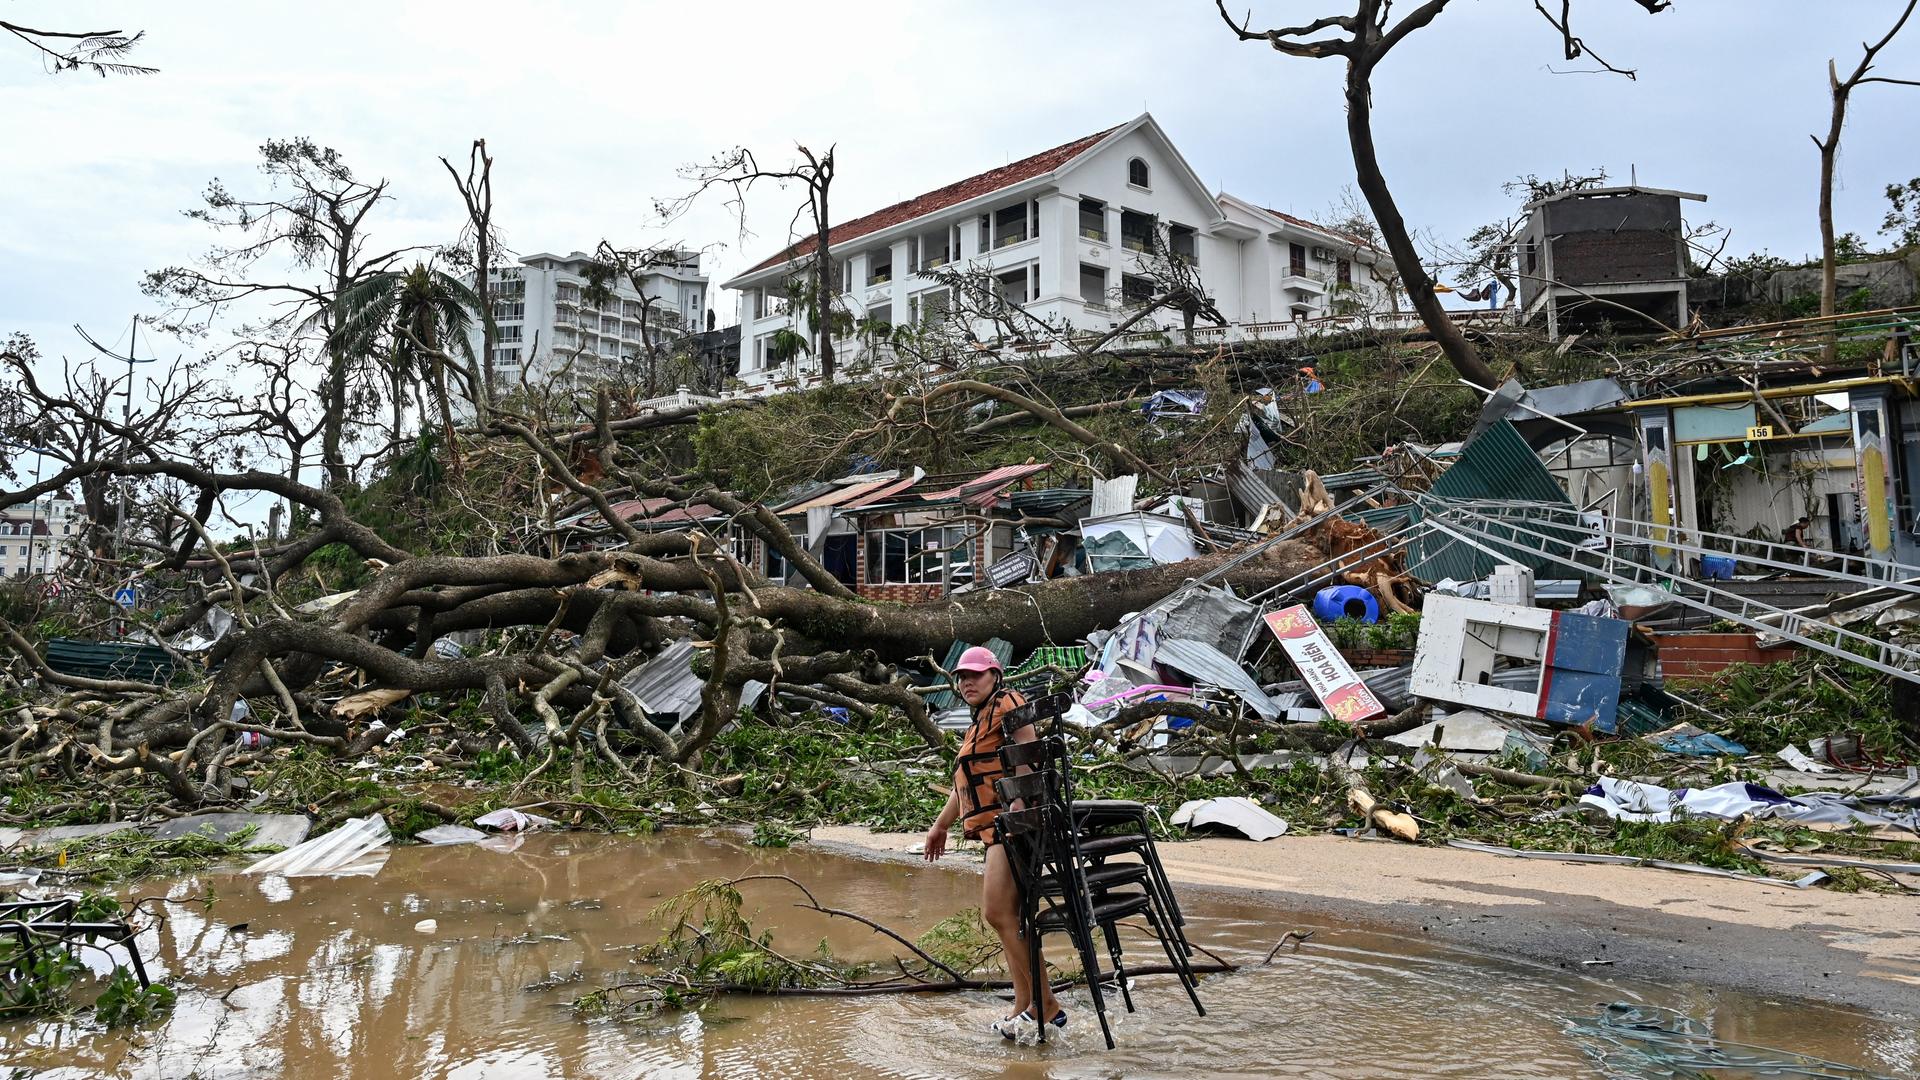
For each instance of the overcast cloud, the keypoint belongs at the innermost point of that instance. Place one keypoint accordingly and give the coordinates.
(589, 108)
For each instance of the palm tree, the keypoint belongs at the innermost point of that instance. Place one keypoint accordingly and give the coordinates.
(424, 317)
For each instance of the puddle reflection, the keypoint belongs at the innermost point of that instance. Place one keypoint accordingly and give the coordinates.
(425, 970)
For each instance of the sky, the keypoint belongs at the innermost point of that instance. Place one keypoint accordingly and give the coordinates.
(590, 109)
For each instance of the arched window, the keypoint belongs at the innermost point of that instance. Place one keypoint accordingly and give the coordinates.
(1137, 174)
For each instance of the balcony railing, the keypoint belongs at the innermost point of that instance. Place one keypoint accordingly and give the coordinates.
(1010, 236)
(877, 357)
(1091, 232)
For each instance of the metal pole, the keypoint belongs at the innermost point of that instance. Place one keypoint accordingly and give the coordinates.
(33, 511)
(126, 423)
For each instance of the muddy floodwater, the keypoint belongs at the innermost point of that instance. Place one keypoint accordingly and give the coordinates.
(458, 962)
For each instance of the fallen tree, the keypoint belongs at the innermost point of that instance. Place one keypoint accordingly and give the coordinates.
(559, 633)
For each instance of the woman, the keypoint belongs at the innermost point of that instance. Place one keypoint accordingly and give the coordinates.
(977, 678)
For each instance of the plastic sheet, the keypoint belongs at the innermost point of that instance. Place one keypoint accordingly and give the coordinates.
(449, 834)
(346, 851)
(1235, 812)
(1625, 800)
(513, 821)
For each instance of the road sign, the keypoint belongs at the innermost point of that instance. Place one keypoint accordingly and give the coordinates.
(1327, 673)
(126, 597)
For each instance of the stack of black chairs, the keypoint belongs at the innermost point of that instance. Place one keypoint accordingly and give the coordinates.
(1081, 865)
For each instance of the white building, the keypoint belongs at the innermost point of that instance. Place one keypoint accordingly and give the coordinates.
(543, 318)
(32, 536)
(1064, 231)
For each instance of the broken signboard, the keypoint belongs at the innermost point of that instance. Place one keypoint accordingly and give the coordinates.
(1326, 672)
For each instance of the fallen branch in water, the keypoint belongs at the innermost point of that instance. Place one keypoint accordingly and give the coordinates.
(711, 950)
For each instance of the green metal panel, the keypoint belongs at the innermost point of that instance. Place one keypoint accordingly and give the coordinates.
(109, 659)
(947, 699)
(1497, 465)
(1067, 657)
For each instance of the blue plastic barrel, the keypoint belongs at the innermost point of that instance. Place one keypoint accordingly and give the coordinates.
(1717, 567)
(1345, 602)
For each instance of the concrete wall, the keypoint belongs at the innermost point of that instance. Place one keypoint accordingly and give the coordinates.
(1889, 282)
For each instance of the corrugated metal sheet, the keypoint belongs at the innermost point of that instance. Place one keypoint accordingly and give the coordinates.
(947, 699)
(666, 684)
(1205, 613)
(680, 515)
(1206, 664)
(983, 489)
(847, 496)
(1390, 685)
(1048, 501)
(1254, 488)
(1497, 465)
(1358, 478)
(108, 659)
(625, 508)
(1383, 519)
(1113, 496)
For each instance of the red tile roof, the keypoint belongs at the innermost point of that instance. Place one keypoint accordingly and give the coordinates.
(939, 199)
(1351, 238)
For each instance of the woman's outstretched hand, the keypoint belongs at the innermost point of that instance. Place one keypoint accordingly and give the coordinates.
(936, 843)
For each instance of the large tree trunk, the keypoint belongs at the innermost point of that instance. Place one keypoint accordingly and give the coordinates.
(1393, 230)
(825, 287)
(1060, 611)
(333, 433)
(1828, 151)
(483, 285)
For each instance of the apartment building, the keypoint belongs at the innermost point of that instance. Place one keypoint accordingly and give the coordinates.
(541, 310)
(1065, 232)
(32, 536)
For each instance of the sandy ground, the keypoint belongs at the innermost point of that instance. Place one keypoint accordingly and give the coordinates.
(1857, 949)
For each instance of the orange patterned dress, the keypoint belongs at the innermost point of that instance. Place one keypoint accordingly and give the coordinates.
(979, 765)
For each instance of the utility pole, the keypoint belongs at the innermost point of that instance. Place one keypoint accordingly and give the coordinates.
(126, 416)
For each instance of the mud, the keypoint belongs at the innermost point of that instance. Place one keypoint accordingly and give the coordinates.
(458, 963)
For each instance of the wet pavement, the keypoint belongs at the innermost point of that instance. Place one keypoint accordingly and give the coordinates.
(424, 971)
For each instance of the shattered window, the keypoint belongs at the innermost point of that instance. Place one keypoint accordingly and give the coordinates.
(914, 556)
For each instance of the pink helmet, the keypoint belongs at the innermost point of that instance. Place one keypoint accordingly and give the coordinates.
(978, 658)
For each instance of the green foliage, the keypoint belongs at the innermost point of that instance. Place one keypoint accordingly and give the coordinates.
(1398, 630)
(124, 1002)
(1903, 216)
(97, 907)
(119, 856)
(1757, 265)
(772, 834)
(786, 345)
(962, 941)
(1774, 705)
(35, 980)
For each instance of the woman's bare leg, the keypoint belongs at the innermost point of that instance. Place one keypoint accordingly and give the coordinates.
(1000, 906)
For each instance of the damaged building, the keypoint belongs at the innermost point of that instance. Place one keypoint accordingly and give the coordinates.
(1584, 254)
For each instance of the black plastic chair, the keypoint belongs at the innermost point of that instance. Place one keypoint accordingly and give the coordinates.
(1052, 900)
(1061, 890)
(1105, 827)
